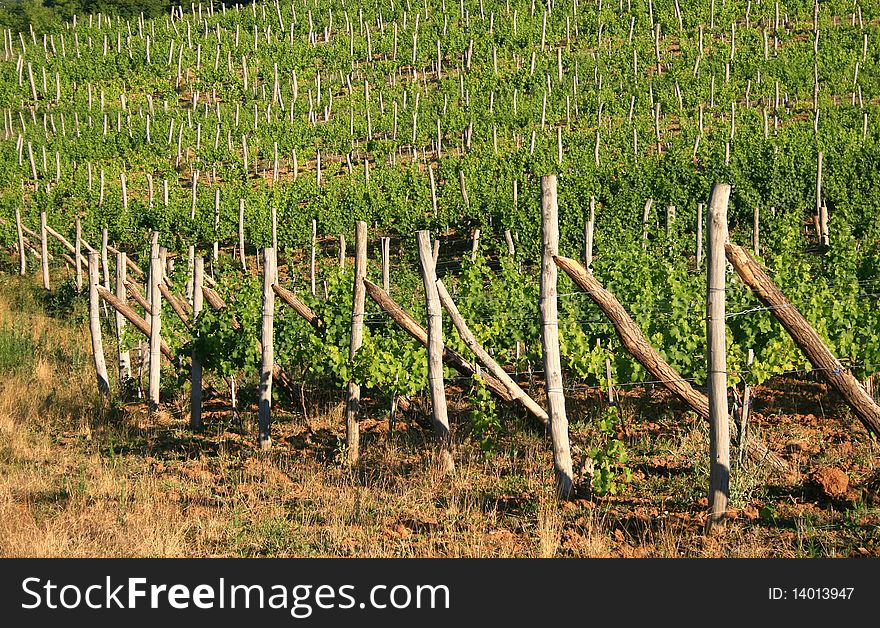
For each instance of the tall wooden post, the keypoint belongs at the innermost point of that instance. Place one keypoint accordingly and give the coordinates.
(353, 394)
(435, 350)
(44, 250)
(155, 322)
(719, 429)
(265, 400)
(195, 395)
(95, 328)
(550, 339)
(124, 356)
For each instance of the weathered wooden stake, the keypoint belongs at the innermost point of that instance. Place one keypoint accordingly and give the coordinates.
(483, 356)
(265, 399)
(195, 395)
(806, 338)
(155, 321)
(124, 356)
(719, 427)
(588, 235)
(95, 328)
(353, 393)
(386, 261)
(435, 350)
(699, 235)
(550, 339)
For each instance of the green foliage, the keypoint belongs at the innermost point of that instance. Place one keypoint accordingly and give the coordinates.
(610, 473)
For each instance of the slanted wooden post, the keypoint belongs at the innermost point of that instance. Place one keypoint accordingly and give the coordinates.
(44, 250)
(22, 260)
(435, 351)
(353, 393)
(265, 401)
(95, 328)
(806, 338)
(719, 428)
(511, 249)
(155, 321)
(195, 395)
(483, 356)
(550, 339)
(124, 356)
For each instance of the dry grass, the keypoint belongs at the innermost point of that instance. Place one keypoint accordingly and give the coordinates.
(83, 477)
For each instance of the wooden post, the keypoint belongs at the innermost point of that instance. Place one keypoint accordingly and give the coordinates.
(22, 260)
(550, 339)
(588, 235)
(124, 356)
(699, 235)
(44, 250)
(756, 233)
(241, 252)
(806, 338)
(105, 262)
(719, 428)
(155, 321)
(646, 212)
(342, 250)
(511, 250)
(353, 393)
(95, 328)
(386, 261)
(265, 400)
(435, 350)
(475, 245)
(77, 255)
(195, 395)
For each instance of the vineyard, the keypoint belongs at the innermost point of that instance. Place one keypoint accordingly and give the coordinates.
(445, 244)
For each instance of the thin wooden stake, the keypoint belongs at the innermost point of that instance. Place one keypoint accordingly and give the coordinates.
(353, 393)
(155, 321)
(195, 395)
(265, 396)
(95, 328)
